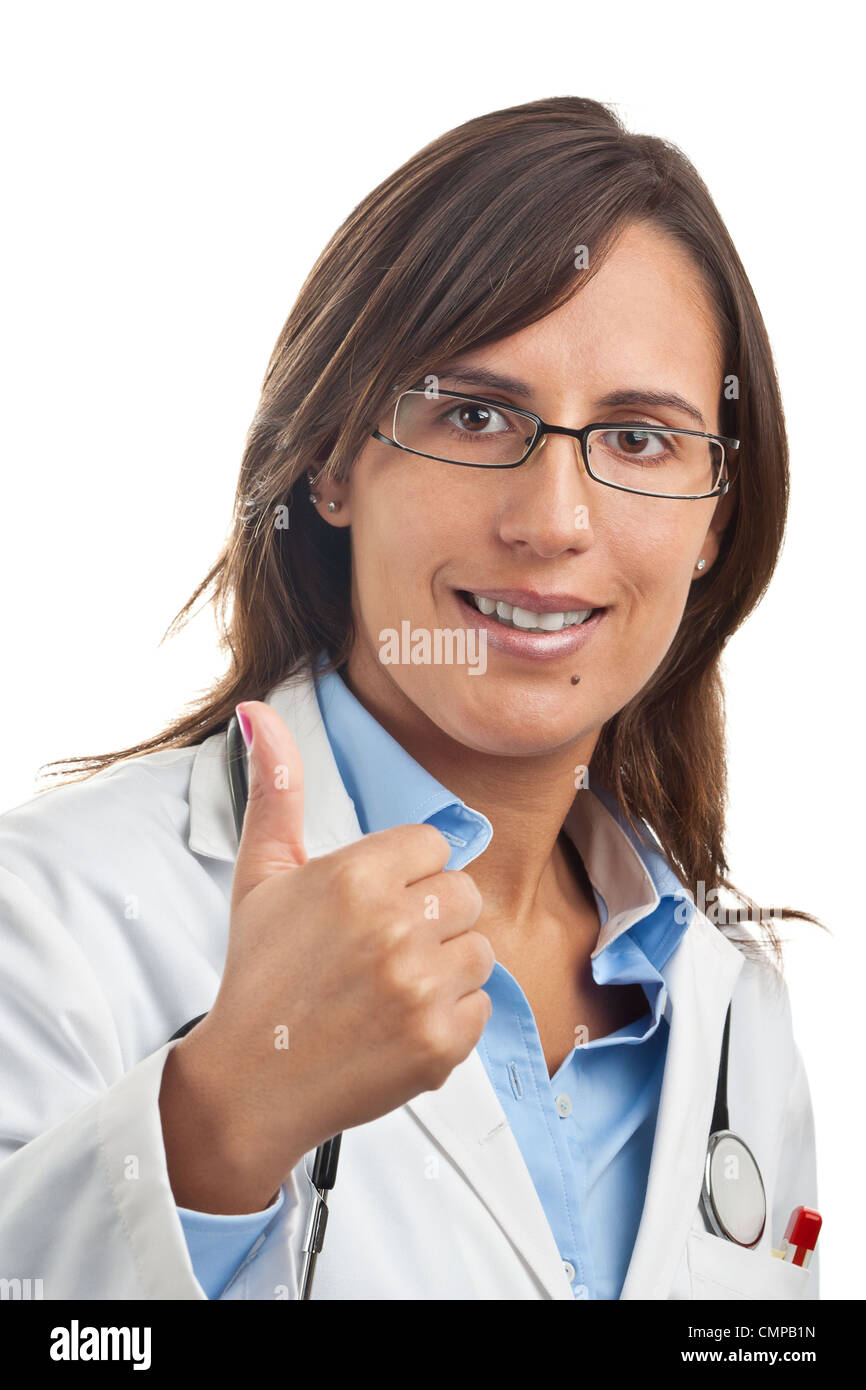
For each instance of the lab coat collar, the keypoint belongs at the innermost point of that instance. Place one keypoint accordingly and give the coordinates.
(329, 814)
(464, 1115)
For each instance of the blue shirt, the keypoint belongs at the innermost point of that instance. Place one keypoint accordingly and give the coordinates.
(586, 1133)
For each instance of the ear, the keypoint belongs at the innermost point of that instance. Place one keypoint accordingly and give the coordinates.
(331, 501)
(713, 539)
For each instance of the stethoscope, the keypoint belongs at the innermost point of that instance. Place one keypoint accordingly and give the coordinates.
(733, 1199)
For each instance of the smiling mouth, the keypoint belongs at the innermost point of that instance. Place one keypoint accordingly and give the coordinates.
(522, 619)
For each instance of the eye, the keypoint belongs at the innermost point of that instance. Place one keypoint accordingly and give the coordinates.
(477, 417)
(636, 443)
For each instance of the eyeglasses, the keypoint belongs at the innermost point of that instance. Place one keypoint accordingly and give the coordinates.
(630, 455)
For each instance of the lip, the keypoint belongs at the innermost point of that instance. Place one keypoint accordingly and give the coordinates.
(537, 603)
(535, 646)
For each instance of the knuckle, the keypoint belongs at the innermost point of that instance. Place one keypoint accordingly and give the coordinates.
(420, 992)
(484, 1008)
(481, 954)
(428, 834)
(390, 935)
(255, 791)
(434, 1049)
(390, 970)
(356, 879)
(473, 892)
(431, 833)
(468, 900)
(400, 981)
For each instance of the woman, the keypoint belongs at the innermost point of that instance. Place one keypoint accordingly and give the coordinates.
(518, 472)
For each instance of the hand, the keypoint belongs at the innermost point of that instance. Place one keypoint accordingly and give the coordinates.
(352, 982)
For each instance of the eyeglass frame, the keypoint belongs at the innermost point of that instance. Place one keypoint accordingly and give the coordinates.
(542, 428)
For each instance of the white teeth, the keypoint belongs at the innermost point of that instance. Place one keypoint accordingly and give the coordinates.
(551, 622)
(521, 617)
(512, 616)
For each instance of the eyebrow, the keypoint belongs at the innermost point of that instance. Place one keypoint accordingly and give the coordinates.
(513, 386)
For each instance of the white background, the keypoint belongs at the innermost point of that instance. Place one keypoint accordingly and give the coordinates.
(170, 173)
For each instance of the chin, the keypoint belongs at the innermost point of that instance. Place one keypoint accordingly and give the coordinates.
(517, 724)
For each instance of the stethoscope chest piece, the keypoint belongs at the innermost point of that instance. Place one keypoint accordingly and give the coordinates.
(733, 1197)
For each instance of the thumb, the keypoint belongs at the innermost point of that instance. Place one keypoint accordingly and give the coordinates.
(272, 839)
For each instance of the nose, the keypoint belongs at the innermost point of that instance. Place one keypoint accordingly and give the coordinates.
(550, 504)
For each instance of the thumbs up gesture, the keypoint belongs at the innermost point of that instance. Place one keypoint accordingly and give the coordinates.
(352, 982)
(273, 831)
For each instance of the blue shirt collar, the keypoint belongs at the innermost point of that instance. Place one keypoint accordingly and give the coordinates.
(388, 787)
(385, 782)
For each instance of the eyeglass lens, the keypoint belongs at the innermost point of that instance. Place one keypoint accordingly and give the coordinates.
(650, 460)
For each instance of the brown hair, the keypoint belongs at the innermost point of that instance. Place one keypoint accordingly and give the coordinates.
(472, 239)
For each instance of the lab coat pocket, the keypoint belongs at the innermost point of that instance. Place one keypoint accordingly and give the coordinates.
(720, 1269)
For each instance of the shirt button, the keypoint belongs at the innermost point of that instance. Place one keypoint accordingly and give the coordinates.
(563, 1105)
(580, 1291)
(569, 1270)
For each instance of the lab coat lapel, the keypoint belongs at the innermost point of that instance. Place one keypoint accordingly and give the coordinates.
(700, 979)
(465, 1118)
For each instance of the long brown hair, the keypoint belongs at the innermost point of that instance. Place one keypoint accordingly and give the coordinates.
(472, 239)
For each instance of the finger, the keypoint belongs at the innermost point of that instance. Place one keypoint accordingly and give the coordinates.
(272, 839)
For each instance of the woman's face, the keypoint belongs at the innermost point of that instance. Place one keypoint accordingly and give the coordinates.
(423, 531)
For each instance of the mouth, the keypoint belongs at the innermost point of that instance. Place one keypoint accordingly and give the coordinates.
(543, 634)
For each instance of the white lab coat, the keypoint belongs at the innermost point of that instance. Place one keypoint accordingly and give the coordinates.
(114, 910)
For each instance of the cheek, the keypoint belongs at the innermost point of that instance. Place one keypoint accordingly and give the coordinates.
(654, 567)
(653, 627)
(397, 544)
(652, 545)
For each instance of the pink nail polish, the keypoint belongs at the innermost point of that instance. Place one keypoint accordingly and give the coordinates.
(246, 727)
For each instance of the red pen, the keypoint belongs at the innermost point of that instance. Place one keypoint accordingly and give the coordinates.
(801, 1235)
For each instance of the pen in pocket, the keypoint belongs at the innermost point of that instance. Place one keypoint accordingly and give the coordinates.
(801, 1236)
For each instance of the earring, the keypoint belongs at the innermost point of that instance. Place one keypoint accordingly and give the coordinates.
(700, 565)
(314, 496)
